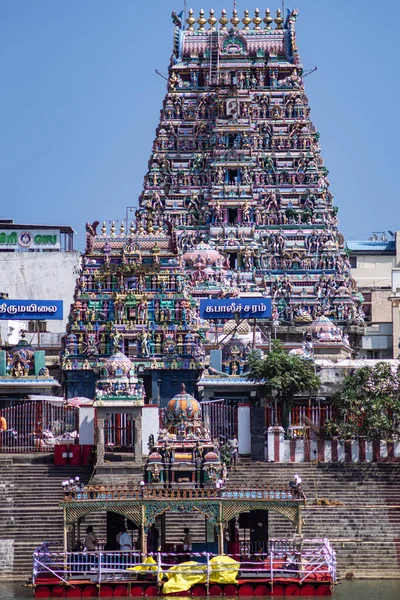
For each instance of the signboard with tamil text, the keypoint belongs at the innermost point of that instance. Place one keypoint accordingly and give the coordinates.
(245, 308)
(30, 310)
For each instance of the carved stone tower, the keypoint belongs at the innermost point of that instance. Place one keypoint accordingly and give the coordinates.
(236, 168)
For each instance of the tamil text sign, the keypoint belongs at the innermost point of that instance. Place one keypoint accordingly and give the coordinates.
(29, 310)
(244, 308)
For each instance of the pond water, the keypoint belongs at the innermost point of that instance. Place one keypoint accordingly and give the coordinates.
(348, 590)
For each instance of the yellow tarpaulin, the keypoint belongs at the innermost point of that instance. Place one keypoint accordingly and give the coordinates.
(224, 569)
(149, 564)
(182, 577)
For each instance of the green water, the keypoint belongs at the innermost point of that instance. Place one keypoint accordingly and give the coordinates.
(348, 590)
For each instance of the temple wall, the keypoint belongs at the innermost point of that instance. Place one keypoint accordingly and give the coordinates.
(150, 425)
(279, 449)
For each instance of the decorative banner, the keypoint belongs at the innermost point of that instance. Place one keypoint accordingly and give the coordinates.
(30, 310)
(245, 308)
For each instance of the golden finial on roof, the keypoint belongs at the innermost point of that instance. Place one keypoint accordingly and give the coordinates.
(104, 228)
(268, 19)
(132, 229)
(212, 20)
(246, 19)
(235, 19)
(223, 20)
(122, 228)
(190, 20)
(112, 229)
(201, 20)
(278, 20)
(257, 19)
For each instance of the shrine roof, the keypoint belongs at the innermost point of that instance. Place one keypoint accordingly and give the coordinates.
(372, 246)
(26, 382)
(226, 381)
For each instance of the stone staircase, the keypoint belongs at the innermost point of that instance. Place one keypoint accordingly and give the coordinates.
(365, 530)
(174, 525)
(29, 512)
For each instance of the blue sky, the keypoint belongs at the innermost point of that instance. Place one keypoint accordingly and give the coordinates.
(80, 102)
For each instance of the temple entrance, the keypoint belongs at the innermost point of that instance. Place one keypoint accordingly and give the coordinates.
(220, 418)
(119, 433)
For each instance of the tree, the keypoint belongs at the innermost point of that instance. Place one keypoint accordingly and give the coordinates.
(282, 375)
(368, 405)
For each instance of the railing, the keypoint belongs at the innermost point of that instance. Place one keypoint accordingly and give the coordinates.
(220, 418)
(91, 492)
(303, 560)
(317, 415)
(300, 415)
(38, 426)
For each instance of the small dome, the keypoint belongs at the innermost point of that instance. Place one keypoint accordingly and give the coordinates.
(155, 457)
(119, 363)
(323, 329)
(243, 327)
(211, 457)
(203, 255)
(183, 406)
(229, 326)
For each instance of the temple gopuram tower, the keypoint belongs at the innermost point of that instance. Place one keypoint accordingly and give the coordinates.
(236, 169)
(236, 202)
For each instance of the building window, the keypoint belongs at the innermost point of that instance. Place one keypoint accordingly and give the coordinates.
(37, 326)
(353, 262)
(367, 306)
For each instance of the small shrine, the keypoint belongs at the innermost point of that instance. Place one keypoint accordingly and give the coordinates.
(324, 340)
(184, 454)
(23, 371)
(118, 383)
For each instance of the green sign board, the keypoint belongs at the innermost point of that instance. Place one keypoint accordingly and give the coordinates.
(33, 239)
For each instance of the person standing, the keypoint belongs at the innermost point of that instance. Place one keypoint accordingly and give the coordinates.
(125, 540)
(233, 446)
(91, 540)
(187, 540)
(152, 539)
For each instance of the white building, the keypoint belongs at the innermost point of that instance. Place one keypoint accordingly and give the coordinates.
(372, 263)
(37, 263)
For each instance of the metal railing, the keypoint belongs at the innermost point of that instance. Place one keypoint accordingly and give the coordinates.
(305, 560)
(38, 426)
(93, 492)
(220, 418)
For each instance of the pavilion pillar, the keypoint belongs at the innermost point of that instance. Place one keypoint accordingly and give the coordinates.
(220, 531)
(138, 438)
(65, 532)
(100, 442)
(143, 548)
(299, 521)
